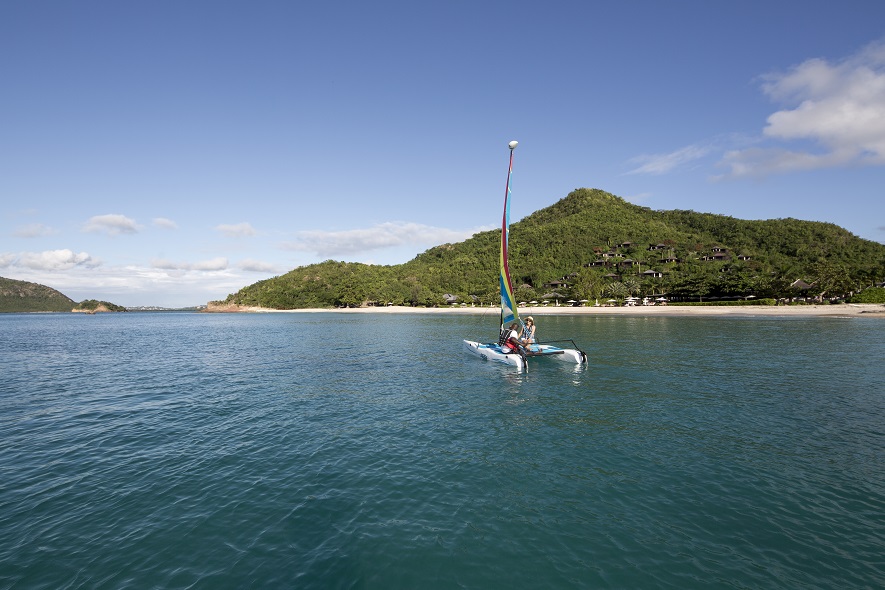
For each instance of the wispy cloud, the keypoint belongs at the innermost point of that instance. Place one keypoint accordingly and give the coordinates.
(49, 260)
(34, 230)
(7, 259)
(834, 116)
(164, 223)
(219, 263)
(257, 266)
(239, 230)
(384, 235)
(111, 224)
(214, 264)
(638, 198)
(668, 162)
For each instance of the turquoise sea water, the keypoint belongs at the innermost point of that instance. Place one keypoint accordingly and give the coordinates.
(324, 450)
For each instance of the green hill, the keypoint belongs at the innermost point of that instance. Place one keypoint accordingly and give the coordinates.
(21, 296)
(93, 305)
(593, 244)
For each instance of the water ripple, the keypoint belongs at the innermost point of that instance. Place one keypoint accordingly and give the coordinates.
(195, 451)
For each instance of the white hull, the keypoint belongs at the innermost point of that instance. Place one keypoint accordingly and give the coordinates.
(493, 352)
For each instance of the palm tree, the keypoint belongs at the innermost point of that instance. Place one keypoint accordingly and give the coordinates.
(616, 290)
(631, 284)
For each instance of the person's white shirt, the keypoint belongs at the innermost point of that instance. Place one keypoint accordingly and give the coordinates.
(511, 334)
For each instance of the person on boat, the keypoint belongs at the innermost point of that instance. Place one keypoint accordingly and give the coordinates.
(527, 337)
(510, 342)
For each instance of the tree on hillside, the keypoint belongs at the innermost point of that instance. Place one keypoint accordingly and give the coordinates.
(631, 284)
(831, 278)
(585, 284)
(616, 290)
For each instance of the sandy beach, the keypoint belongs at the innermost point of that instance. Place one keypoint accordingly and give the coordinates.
(842, 310)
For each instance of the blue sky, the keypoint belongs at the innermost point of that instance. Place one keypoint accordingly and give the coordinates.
(169, 153)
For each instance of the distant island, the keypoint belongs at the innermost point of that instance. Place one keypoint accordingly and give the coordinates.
(25, 297)
(94, 306)
(594, 245)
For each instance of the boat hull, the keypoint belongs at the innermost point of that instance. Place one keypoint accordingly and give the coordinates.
(494, 353)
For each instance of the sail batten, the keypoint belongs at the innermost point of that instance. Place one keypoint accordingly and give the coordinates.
(509, 311)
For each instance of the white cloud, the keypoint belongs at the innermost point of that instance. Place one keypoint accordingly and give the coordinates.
(214, 264)
(219, 263)
(49, 260)
(638, 198)
(384, 235)
(257, 266)
(834, 117)
(163, 264)
(165, 223)
(138, 285)
(34, 230)
(111, 224)
(239, 230)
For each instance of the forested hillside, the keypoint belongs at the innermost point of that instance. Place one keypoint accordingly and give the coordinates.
(592, 244)
(25, 297)
(21, 296)
(94, 305)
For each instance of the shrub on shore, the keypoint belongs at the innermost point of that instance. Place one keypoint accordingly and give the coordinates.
(871, 295)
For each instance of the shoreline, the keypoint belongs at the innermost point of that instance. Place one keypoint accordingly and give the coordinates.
(839, 310)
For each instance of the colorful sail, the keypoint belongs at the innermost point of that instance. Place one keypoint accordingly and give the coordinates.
(509, 312)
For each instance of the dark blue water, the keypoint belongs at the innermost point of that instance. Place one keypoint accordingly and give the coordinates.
(370, 451)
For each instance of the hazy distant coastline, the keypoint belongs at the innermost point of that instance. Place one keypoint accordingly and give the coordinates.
(838, 310)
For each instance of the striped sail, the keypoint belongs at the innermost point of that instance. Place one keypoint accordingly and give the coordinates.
(509, 312)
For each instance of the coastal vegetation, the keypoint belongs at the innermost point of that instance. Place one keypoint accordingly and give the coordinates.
(22, 296)
(592, 245)
(872, 295)
(93, 305)
(25, 297)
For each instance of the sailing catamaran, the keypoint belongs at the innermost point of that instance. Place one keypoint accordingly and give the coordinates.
(497, 351)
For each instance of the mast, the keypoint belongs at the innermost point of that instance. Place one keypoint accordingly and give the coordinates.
(508, 304)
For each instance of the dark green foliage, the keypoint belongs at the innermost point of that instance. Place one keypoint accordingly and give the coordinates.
(758, 258)
(21, 296)
(871, 295)
(93, 304)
